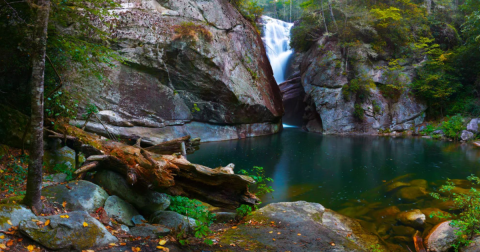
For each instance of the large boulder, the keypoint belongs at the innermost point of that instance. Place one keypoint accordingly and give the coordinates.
(287, 226)
(63, 156)
(14, 214)
(472, 126)
(467, 135)
(78, 195)
(146, 201)
(440, 238)
(120, 210)
(194, 68)
(148, 230)
(324, 77)
(73, 231)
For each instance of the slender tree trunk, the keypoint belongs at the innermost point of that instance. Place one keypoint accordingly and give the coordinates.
(34, 179)
(323, 15)
(331, 13)
(429, 6)
(291, 10)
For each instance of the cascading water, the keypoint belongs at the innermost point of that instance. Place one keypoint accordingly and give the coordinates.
(277, 43)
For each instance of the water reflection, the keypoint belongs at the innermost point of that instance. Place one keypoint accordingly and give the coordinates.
(332, 170)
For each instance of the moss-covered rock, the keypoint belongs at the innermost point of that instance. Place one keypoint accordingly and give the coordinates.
(120, 210)
(74, 231)
(145, 201)
(79, 195)
(62, 156)
(14, 214)
(286, 226)
(173, 220)
(145, 230)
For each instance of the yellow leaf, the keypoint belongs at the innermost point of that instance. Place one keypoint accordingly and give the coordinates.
(299, 234)
(35, 220)
(112, 244)
(270, 232)
(162, 242)
(47, 222)
(2, 237)
(64, 204)
(163, 248)
(273, 239)
(30, 248)
(234, 227)
(2, 246)
(136, 249)
(9, 223)
(85, 224)
(64, 216)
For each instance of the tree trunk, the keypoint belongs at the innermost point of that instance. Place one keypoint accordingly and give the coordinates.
(34, 179)
(428, 3)
(331, 14)
(323, 15)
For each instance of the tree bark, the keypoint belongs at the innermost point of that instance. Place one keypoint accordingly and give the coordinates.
(428, 3)
(331, 14)
(34, 179)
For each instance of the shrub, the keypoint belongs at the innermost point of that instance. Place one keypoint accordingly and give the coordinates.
(428, 130)
(259, 189)
(467, 223)
(194, 209)
(453, 126)
(191, 32)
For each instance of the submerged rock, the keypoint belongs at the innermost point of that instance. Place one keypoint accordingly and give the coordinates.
(440, 238)
(419, 182)
(395, 185)
(290, 224)
(403, 231)
(432, 215)
(79, 195)
(120, 210)
(414, 218)
(146, 201)
(411, 193)
(77, 232)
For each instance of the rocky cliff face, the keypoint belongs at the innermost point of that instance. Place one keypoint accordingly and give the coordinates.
(193, 67)
(324, 74)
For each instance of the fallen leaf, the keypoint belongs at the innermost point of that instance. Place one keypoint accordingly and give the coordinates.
(123, 244)
(10, 243)
(270, 232)
(331, 243)
(85, 224)
(234, 227)
(9, 223)
(163, 248)
(35, 220)
(42, 197)
(2, 246)
(299, 234)
(19, 239)
(30, 247)
(273, 239)
(279, 233)
(69, 188)
(64, 204)
(112, 244)
(136, 249)
(2, 237)
(162, 242)
(47, 222)
(64, 216)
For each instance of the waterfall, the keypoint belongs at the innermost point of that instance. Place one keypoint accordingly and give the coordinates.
(277, 43)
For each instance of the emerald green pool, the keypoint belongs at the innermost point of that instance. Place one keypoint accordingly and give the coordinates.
(338, 171)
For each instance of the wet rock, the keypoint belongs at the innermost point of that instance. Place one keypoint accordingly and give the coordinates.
(300, 221)
(144, 230)
(79, 195)
(225, 217)
(138, 219)
(383, 229)
(440, 238)
(55, 178)
(414, 218)
(473, 247)
(77, 232)
(63, 156)
(145, 201)
(173, 220)
(15, 214)
(125, 228)
(403, 231)
(467, 135)
(120, 210)
(402, 239)
(395, 185)
(389, 212)
(420, 183)
(472, 126)
(411, 194)
(432, 215)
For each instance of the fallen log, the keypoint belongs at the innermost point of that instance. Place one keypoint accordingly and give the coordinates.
(175, 146)
(159, 172)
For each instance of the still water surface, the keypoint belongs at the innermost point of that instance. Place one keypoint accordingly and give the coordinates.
(332, 170)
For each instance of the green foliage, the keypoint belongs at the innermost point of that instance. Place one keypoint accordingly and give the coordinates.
(467, 222)
(376, 248)
(453, 126)
(260, 188)
(12, 178)
(195, 108)
(428, 130)
(358, 112)
(64, 168)
(61, 104)
(194, 209)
